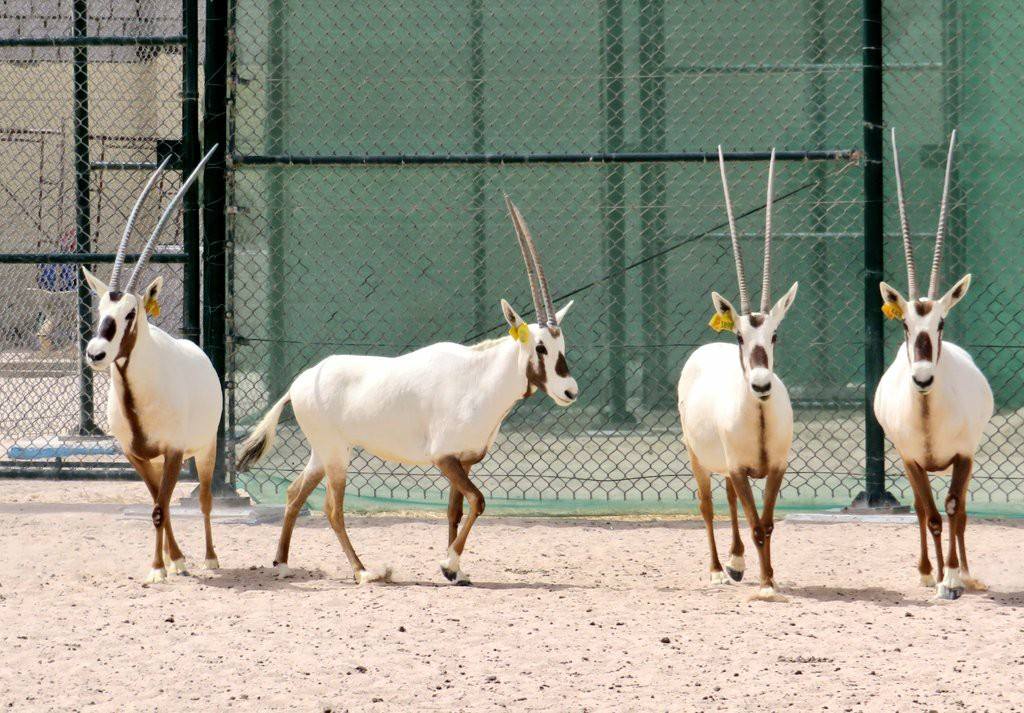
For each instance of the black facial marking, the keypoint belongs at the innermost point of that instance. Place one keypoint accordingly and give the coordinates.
(561, 368)
(759, 357)
(108, 328)
(115, 296)
(756, 320)
(541, 349)
(923, 347)
(922, 307)
(739, 339)
(130, 318)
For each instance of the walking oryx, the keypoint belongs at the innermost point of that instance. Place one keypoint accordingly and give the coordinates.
(166, 400)
(933, 402)
(442, 404)
(735, 412)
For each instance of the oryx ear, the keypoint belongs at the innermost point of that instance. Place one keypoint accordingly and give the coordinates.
(783, 305)
(98, 286)
(561, 313)
(893, 304)
(956, 293)
(511, 316)
(153, 290)
(725, 316)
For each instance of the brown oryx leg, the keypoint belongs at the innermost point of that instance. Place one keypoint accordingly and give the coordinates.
(298, 493)
(736, 564)
(151, 477)
(746, 498)
(334, 507)
(161, 512)
(952, 586)
(919, 482)
(924, 565)
(773, 482)
(151, 472)
(707, 510)
(205, 465)
(973, 584)
(458, 476)
(454, 513)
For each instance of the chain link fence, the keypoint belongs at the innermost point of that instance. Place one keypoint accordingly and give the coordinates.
(369, 149)
(372, 145)
(92, 97)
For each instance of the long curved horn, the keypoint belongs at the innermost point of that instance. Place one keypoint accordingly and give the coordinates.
(531, 271)
(542, 281)
(766, 274)
(147, 251)
(122, 248)
(940, 235)
(908, 249)
(741, 278)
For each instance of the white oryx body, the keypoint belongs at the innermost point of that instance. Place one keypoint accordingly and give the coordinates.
(166, 402)
(176, 394)
(934, 428)
(724, 423)
(736, 417)
(444, 399)
(440, 405)
(933, 402)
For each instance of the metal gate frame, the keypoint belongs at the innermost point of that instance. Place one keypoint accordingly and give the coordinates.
(188, 156)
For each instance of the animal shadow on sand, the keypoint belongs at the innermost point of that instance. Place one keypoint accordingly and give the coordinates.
(874, 595)
(261, 578)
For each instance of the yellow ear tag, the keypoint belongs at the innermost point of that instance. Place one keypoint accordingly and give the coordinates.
(721, 322)
(892, 310)
(520, 333)
(152, 307)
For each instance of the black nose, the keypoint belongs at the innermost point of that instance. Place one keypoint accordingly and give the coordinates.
(97, 357)
(762, 388)
(571, 395)
(924, 384)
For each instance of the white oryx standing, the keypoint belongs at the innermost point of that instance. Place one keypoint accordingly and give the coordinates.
(440, 405)
(736, 416)
(166, 400)
(933, 402)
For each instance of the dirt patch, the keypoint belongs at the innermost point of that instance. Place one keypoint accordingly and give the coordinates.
(564, 614)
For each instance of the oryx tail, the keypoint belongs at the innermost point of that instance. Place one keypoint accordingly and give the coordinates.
(261, 440)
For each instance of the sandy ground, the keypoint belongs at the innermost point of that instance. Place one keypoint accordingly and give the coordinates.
(564, 615)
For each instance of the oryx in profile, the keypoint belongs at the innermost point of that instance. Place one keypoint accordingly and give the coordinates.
(736, 416)
(932, 401)
(441, 405)
(166, 400)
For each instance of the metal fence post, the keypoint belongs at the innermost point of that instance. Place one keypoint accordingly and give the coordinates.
(83, 224)
(613, 198)
(214, 218)
(657, 386)
(277, 31)
(874, 494)
(484, 310)
(190, 312)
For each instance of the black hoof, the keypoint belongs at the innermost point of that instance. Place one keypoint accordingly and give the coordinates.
(950, 593)
(463, 583)
(737, 575)
(449, 574)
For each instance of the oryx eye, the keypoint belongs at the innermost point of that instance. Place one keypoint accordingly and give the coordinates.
(541, 349)
(775, 338)
(130, 317)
